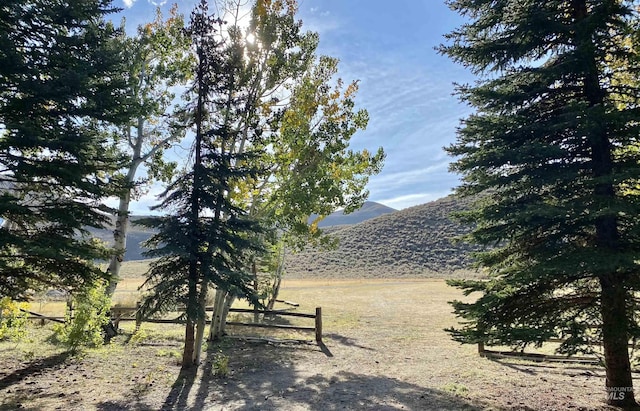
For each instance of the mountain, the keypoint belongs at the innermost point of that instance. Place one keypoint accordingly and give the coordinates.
(368, 211)
(138, 234)
(414, 242)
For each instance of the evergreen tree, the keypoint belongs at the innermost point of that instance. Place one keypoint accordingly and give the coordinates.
(205, 241)
(551, 143)
(60, 72)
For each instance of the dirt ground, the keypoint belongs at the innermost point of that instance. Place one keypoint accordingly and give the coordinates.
(385, 349)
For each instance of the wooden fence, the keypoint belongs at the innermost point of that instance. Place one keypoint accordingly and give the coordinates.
(546, 357)
(57, 319)
(129, 314)
(541, 357)
(317, 328)
(536, 357)
(43, 318)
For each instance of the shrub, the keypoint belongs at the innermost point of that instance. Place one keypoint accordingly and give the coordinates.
(13, 322)
(138, 337)
(91, 308)
(220, 365)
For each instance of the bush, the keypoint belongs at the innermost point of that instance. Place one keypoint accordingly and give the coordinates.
(91, 309)
(220, 365)
(13, 322)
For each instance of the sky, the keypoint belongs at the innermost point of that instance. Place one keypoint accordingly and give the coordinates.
(405, 85)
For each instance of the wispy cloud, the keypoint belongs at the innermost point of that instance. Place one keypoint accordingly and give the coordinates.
(412, 116)
(404, 84)
(316, 20)
(318, 11)
(391, 181)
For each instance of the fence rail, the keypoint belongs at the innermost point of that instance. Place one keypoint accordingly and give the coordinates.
(36, 316)
(535, 357)
(483, 352)
(119, 314)
(269, 312)
(128, 314)
(317, 328)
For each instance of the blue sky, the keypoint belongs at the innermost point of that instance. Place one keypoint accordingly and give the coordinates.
(404, 84)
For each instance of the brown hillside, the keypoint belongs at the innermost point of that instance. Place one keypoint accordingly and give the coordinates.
(368, 211)
(415, 242)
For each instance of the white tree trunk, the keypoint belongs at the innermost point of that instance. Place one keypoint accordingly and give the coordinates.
(277, 281)
(201, 325)
(122, 225)
(218, 305)
(228, 301)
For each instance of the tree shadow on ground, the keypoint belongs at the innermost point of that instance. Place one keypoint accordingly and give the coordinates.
(272, 378)
(35, 368)
(177, 399)
(535, 368)
(179, 395)
(350, 342)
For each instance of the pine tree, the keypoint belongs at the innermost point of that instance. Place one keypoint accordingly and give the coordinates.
(61, 87)
(206, 239)
(552, 145)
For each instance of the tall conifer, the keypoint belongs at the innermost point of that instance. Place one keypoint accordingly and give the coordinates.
(60, 86)
(550, 143)
(204, 242)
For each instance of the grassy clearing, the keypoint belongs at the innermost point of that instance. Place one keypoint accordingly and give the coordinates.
(134, 270)
(387, 349)
(371, 303)
(347, 304)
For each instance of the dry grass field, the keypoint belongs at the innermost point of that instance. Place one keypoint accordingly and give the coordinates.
(385, 350)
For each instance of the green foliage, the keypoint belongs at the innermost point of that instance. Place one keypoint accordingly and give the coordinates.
(158, 61)
(220, 365)
(13, 322)
(317, 173)
(56, 100)
(208, 238)
(138, 337)
(303, 118)
(298, 119)
(272, 128)
(90, 313)
(552, 151)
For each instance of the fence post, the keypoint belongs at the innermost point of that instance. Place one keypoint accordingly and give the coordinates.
(319, 325)
(70, 308)
(481, 342)
(116, 314)
(138, 317)
(256, 315)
